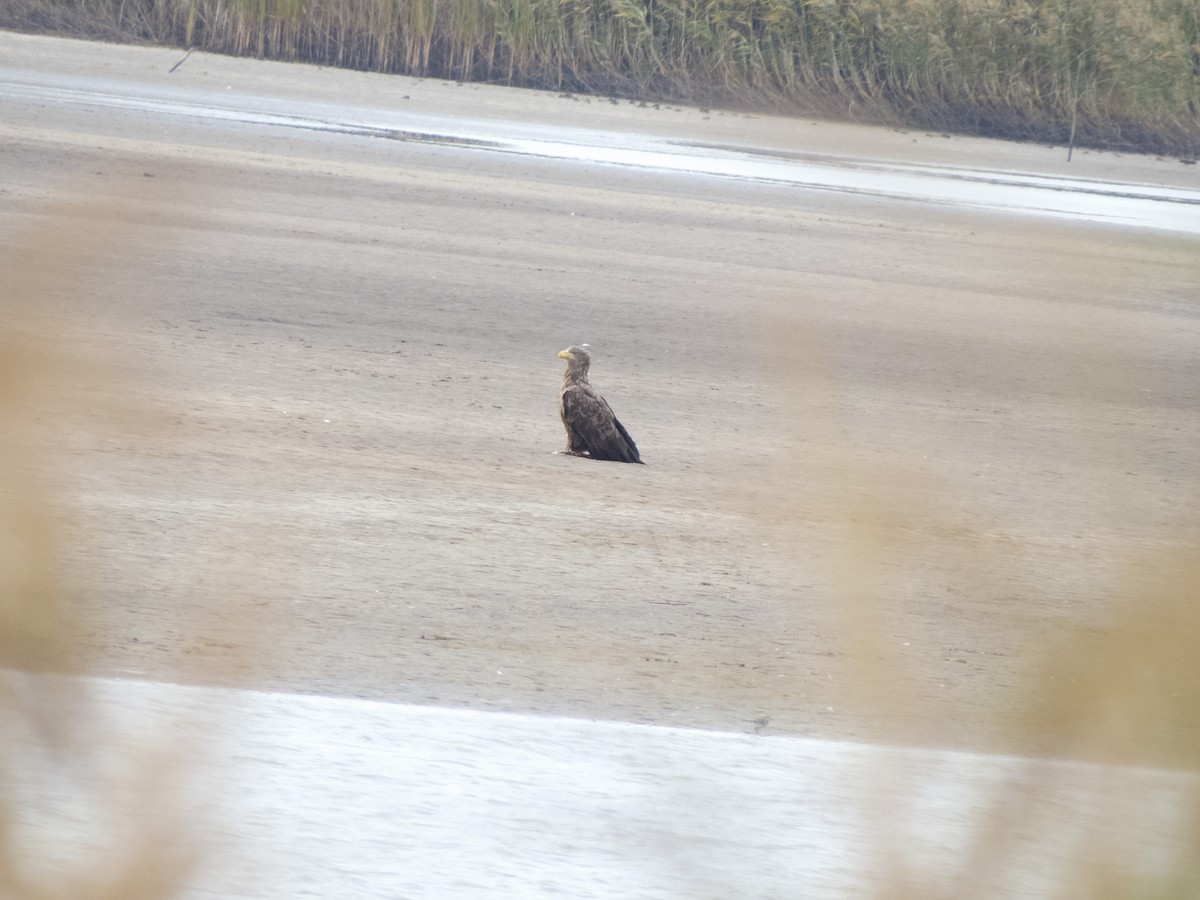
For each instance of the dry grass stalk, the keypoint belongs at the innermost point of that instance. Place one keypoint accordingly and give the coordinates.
(48, 758)
(1126, 693)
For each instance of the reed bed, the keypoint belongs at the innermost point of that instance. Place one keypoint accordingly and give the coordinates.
(1122, 74)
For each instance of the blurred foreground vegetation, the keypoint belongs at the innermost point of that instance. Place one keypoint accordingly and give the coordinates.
(1119, 74)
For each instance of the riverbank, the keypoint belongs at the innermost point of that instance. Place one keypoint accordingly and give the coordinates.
(1106, 74)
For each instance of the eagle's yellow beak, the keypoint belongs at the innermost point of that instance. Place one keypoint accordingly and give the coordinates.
(564, 354)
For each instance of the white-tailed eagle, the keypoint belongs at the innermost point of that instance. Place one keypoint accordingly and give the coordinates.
(592, 429)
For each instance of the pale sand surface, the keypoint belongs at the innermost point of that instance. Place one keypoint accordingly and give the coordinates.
(322, 454)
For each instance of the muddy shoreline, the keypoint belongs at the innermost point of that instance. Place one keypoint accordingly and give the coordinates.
(977, 425)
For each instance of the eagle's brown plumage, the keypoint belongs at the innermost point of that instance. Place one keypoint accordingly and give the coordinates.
(592, 429)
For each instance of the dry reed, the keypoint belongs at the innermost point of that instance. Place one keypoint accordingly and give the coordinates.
(75, 821)
(1124, 692)
(1111, 73)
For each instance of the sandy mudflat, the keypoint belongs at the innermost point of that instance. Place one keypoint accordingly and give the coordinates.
(321, 455)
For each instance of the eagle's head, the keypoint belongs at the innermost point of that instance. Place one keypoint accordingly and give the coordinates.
(577, 357)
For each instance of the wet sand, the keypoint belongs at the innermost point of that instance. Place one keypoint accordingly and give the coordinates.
(323, 455)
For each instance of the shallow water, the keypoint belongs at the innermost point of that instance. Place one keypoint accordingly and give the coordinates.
(1130, 205)
(300, 796)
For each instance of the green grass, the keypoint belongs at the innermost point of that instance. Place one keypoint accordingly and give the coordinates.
(1112, 73)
